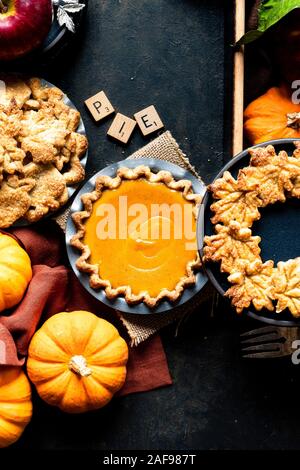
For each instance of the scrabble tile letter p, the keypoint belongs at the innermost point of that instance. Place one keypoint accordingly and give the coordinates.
(121, 128)
(148, 120)
(99, 106)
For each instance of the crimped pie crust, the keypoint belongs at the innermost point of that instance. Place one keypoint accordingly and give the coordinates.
(106, 182)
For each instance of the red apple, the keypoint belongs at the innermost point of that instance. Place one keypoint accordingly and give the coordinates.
(24, 24)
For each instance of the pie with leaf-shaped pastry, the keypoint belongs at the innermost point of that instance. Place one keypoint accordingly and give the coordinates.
(136, 235)
(40, 150)
(269, 178)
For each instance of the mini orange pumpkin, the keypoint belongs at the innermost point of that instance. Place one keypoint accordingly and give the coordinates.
(272, 116)
(15, 272)
(15, 404)
(77, 361)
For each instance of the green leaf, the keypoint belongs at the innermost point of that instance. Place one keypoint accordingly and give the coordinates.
(270, 12)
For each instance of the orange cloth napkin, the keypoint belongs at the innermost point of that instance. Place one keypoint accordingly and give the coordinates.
(54, 288)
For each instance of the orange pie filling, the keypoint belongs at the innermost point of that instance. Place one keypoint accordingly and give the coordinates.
(142, 235)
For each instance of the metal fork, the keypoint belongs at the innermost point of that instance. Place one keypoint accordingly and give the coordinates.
(269, 341)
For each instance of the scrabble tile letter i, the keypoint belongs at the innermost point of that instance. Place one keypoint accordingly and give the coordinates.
(121, 128)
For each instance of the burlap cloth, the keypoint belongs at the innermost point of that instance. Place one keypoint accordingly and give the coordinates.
(141, 327)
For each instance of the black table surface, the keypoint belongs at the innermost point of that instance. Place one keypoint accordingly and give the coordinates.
(176, 55)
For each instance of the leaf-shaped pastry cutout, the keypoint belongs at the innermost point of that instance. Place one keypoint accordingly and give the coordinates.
(269, 181)
(295, 192)
(230, 244)
(251, 284)
(268, 174)
(233, 204)
(285, 286)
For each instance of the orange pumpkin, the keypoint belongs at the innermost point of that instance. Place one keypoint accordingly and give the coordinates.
(272, 116)
(77, 361)
(15, 404)
(15, 272)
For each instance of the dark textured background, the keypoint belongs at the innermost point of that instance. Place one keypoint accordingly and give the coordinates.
(174, 54)
(166, 52)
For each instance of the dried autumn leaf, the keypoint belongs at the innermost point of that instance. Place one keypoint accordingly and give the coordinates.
(230, 244)
(65, 20)
(251, 285)
(65, 9)
(285, 286)
(233, 204)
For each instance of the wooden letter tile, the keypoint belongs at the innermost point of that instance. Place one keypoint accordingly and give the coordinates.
(99, 106)
(121, 128)
(148, 120)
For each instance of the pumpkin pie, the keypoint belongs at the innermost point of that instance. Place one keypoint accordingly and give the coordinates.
(137, 235)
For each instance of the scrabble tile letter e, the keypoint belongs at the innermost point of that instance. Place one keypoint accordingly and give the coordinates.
(148, 120)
